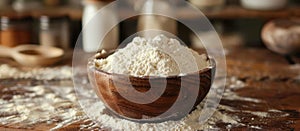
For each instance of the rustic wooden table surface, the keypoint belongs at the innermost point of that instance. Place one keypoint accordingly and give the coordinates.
(268, 77)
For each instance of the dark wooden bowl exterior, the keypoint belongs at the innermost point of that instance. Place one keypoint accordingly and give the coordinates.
(105, 87)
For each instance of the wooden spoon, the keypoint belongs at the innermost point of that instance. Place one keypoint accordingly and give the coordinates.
(33, 55)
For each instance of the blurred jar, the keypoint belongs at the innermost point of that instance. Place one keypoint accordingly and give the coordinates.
(208, 4)
(264, 4)
(54, 30)
(91, 33)
(76, 3)
(24, 5)
(52, 2)
(4, 3)
(150, 21)
(15, 29)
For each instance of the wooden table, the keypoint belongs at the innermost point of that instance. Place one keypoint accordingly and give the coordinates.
(268, 77)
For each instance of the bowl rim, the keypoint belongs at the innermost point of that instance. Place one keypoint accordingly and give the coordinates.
(90, 65)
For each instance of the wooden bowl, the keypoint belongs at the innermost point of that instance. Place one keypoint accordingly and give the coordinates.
(282, 36)
(105, 84)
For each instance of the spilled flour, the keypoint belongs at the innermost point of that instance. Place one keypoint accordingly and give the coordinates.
(58, 73)
(39, 104)
(190, 122)
(24, 106)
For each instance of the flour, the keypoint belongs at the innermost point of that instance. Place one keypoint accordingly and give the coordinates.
(160, 56)
(233, 84)
(189, 123)
(58, 73)
(258, 113)
(23, 106)
(40, 104)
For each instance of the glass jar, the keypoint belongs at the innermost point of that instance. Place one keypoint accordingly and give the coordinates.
(4, 3)
(91, 33)
(150, 21)
(52, 2)
(208, 4)
(74, 3)
(15, 29)
(25, 5)
(54, 30)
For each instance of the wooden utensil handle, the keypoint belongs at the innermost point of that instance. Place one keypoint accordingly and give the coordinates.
(5, 51)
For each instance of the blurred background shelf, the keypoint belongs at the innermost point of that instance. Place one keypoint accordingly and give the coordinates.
(234, 12)
(75, 13)
(228, 12)
(230, 18)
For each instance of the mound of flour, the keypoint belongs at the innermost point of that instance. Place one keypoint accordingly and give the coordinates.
(160, 56)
